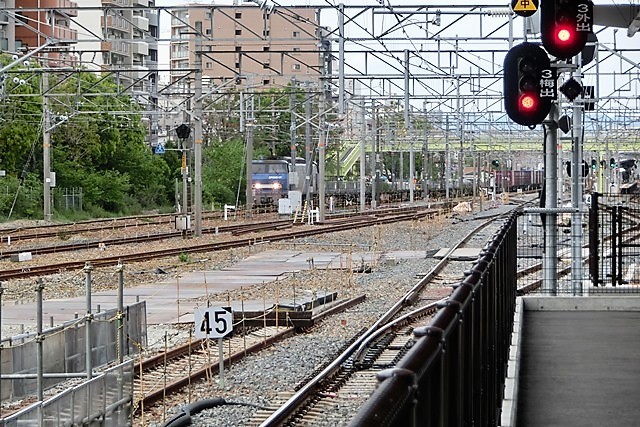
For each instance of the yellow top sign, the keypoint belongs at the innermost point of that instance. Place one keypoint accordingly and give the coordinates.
(525, 7)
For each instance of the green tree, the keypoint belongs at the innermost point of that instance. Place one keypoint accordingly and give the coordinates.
(223, 172)
(20, 117)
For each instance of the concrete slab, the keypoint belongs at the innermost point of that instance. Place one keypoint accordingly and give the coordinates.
(462, 254)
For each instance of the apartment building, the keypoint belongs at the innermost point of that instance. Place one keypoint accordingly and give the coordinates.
(249, 44)
(122, 37)
(36, 22)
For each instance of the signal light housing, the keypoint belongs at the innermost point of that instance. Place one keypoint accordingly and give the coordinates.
(565, 26)
(529, 84)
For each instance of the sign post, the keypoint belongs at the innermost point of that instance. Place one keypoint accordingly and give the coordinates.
(214, 322)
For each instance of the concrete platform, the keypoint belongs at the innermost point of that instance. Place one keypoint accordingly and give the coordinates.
(579, 362)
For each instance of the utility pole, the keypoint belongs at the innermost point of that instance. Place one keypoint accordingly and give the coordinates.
(447, 160)
(374, 156)
(292, 128)
(363, 156)
(322, 160)
(425, 155)
(249, 128)
(577, 188)
(46, 145)
(341, 60)
(197, 139)
(307, 141)
(550, 258)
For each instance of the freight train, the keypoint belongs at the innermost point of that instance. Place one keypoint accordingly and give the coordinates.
(272, 179)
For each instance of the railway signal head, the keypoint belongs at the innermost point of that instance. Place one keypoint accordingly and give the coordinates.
(594, 165)
(183, 131)
(529, 84)
(565, 25)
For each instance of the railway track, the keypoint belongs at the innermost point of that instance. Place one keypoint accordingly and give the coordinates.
(169, 372)
(266, 236)
(352, 375)
(206, 369)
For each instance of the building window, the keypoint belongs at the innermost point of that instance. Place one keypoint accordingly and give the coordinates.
(237, 65)
(208, 31)
(265, 48)
(208, 15)
(266, 65)
(296, 49)
(208, 65)
(266, 82)
(238, 15)
(296, 67)
(296, 34)
(238, 48)
(265, 33)
(238, 32)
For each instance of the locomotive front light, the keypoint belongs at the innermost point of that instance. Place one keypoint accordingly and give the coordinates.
(276, 186)
(257, 186)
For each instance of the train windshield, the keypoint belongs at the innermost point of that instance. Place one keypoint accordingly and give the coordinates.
(278, 168)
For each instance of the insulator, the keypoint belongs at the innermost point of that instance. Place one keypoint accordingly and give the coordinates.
(503, 12)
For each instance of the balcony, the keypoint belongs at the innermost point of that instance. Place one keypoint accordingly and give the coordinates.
(138, 71)
(116, 46)
(180, 54)
(65, 35)
(116, 23)
(141, 48)
(72, 7)
(124, 3)
(141, 23)
(152, 16)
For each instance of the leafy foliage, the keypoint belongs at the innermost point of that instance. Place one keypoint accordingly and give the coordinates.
(97, 140)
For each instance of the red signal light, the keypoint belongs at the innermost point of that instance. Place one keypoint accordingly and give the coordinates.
(564, 35)
(528, 102)
(529, 84)
(565, 25)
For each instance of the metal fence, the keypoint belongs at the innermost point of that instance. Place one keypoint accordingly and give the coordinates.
(454, 373)
(65, 351)
(614, 246)
(102, 401)
(608, 242)
(68, 198)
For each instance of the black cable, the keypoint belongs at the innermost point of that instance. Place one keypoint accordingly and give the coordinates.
(183, 418)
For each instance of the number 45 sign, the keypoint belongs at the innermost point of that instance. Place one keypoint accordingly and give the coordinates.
(213, 322)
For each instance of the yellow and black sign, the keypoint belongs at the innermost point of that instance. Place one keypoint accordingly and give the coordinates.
(524, 7)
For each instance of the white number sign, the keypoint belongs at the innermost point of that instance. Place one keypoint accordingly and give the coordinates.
(213, 322)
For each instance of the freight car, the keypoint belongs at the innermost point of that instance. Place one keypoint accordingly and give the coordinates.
(518, 179)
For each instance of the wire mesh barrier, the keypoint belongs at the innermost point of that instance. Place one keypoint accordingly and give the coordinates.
(600, 256)
(614, 246)
(104, 400)
(65, 350)
(454, 373)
